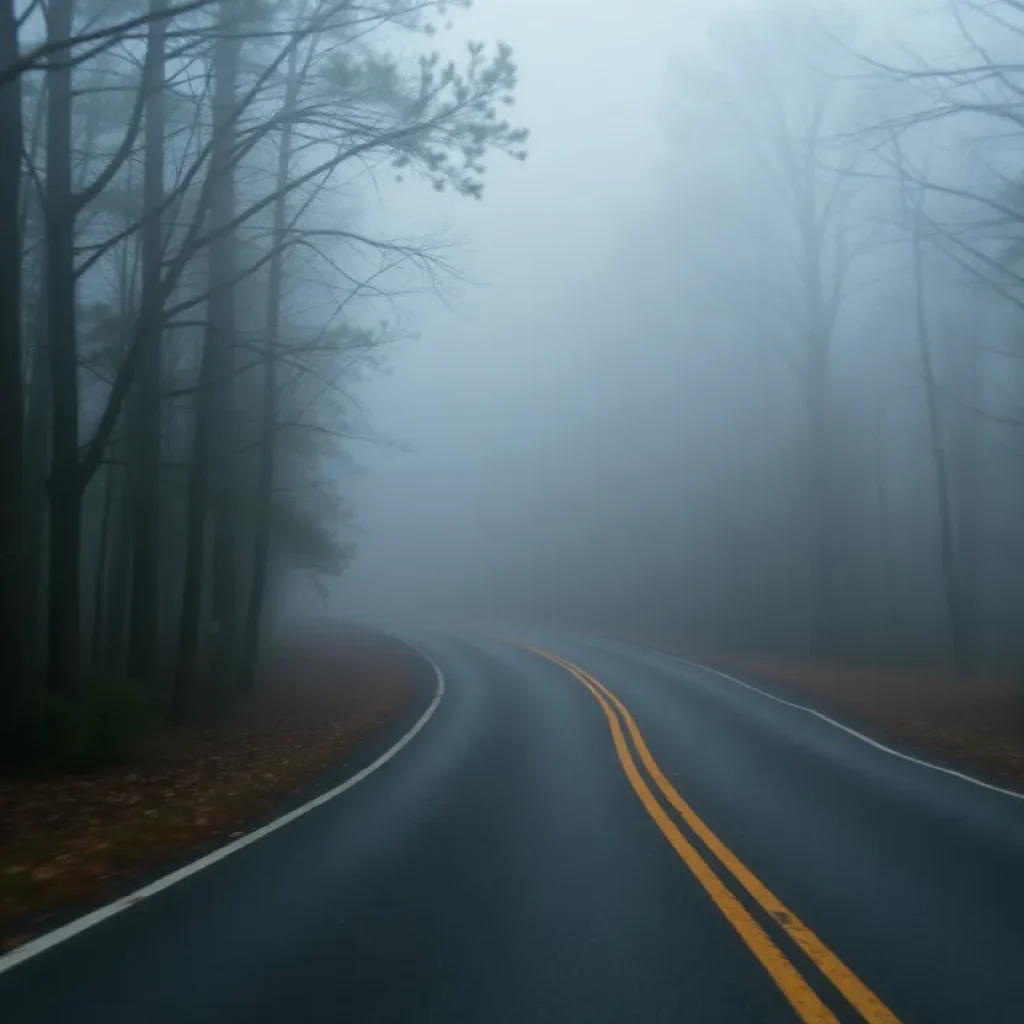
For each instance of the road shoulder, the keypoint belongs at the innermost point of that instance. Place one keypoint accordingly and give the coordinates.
(972, 730)
(334, 704)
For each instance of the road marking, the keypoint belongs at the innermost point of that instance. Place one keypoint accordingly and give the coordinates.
(800, 995)
(796, 989)
(963, 776)
(72, 928)
(857, 993)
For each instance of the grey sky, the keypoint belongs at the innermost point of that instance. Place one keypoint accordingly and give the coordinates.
(488, 392)
(590, 86)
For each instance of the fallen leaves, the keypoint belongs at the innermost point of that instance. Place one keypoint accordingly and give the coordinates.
(974, 725)
(71, 840)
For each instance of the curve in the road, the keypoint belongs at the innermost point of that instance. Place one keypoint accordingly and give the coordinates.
(80, 924)
(511, 869)
(801, 996)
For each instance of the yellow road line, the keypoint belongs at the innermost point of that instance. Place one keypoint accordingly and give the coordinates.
(870, 1007)
(786, 976)
(801, 996)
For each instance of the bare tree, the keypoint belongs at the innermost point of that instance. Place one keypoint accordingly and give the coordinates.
(793, 119)
(144, 644)
(13, 646)
(268, 429)
(974, 219)
(937, 436)
(64, 594)
(123, 281)
(212, 441)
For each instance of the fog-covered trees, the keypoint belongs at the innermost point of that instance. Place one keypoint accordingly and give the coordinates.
(766, 112)
(818, 435)
(11, 394)
(188, 289)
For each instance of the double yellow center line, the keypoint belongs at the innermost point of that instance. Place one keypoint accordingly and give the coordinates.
(802, 997)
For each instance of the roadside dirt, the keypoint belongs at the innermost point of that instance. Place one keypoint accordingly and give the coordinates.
(70, 840)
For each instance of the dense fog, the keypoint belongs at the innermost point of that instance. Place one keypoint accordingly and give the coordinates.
(691, 391)
(701, 320)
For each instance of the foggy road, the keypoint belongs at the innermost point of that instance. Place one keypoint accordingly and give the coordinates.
(584, 832)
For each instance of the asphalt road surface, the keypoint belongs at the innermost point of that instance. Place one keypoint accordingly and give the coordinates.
(583, 832)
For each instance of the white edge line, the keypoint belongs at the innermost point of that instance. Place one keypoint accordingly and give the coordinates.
(54, 938)
(838, 725)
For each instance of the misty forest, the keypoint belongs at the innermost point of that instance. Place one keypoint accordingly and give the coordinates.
(189, 293)
(511, 510)
(789, 411)
(793, 422)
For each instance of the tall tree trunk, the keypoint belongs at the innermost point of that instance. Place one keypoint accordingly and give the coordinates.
(38, 426)
(144, 642)
(210, 422)
(889, 605)
(119, 581)
(968, 478)
(817, 385)
(268, 429)
(820, 504)
(99, 588)
(186, 680)
(951, 585)
(224, 595)
(817, 352)
(12, 551)
(64, 648)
